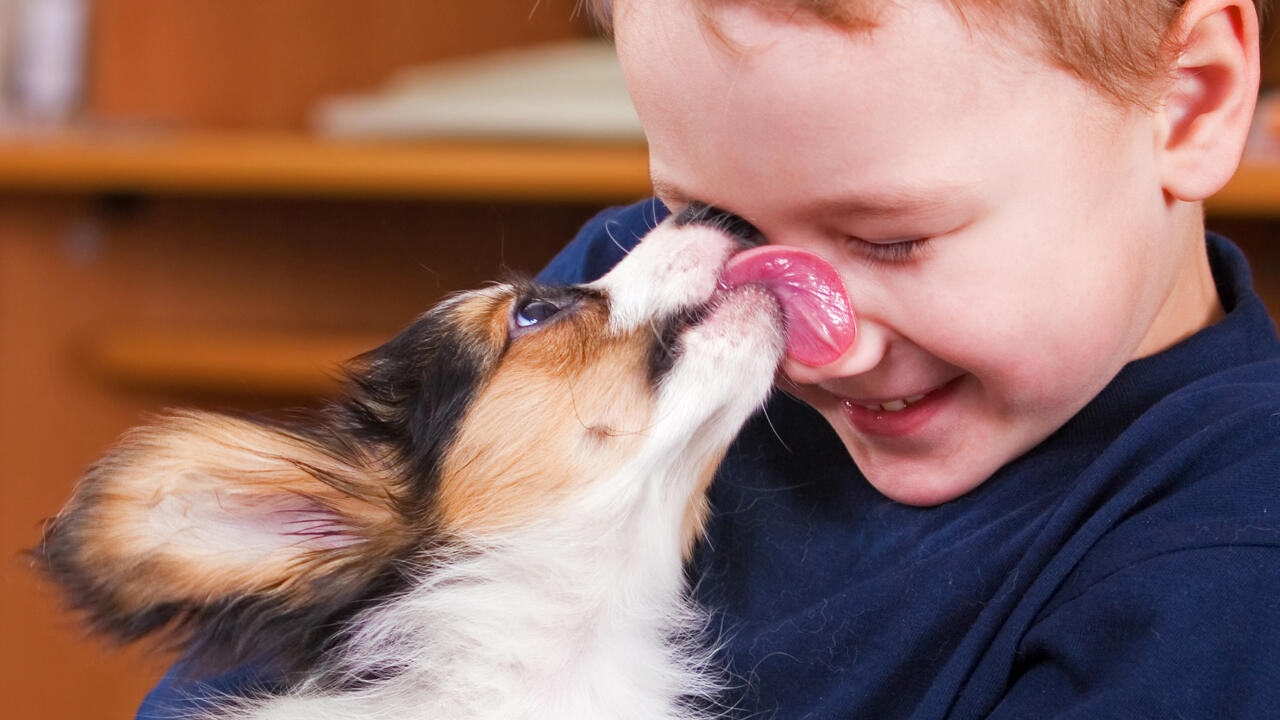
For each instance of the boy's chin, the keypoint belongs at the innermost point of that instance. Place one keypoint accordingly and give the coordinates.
(925, 482)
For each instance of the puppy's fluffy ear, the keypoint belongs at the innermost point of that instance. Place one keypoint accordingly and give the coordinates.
(200, 520)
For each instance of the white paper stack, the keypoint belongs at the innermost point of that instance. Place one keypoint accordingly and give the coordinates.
(572, 90)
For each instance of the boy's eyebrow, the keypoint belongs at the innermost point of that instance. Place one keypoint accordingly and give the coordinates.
(892, 202)
(878, 203)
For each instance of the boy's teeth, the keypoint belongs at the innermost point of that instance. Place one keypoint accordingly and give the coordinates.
(896, 405)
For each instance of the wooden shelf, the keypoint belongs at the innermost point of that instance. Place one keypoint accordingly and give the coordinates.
(241, 363)
(300, 165)
(284, 164)
(1254, 191)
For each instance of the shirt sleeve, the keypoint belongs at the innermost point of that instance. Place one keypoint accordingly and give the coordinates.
(602, 242)
(182, 693)
(1191, 634)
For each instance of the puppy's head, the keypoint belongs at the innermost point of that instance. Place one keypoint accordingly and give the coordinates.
(512, 407)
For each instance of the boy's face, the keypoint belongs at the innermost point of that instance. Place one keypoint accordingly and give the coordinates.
(1045, 262)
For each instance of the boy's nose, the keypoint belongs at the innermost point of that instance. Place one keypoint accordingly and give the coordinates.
(866, 352)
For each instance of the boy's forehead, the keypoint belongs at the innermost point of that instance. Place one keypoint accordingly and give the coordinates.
(788, 71)
(815, 113)
(1118, 47)
(719, 19)
(737, 32)
(856, 14)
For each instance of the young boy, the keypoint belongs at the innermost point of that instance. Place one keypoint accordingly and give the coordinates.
(1045, 479)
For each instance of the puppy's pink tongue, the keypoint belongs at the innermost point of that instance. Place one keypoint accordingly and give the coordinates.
(820, 321)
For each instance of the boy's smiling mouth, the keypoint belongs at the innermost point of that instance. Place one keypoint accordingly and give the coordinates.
(889, 405)
(898, 417)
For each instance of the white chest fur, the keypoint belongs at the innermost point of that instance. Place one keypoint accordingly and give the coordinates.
(570, 620)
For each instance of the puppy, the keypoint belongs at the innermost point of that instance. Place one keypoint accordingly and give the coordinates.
(492, 522)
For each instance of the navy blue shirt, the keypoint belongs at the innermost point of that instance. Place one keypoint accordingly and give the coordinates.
(1126, 567)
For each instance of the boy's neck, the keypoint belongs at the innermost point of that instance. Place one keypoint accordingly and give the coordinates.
(1192, 303)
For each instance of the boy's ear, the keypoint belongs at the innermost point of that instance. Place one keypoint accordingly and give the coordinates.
(1210, 100)
(198, 513)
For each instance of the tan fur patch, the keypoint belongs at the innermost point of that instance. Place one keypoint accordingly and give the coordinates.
(483, 315)
(695, 516)
(156, 514)
(567, 405)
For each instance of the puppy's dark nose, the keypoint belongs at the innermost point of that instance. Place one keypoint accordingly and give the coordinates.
(744, 232)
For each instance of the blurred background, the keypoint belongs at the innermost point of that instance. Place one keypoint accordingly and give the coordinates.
(214, 202)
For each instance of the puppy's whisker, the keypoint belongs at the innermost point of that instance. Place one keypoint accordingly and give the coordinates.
(764, 412)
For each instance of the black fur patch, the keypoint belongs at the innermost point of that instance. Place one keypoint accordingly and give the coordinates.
(410, 396)
(737, 227)
(667, 348)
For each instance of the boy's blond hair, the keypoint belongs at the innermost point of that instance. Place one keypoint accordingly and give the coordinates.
(1121, 47)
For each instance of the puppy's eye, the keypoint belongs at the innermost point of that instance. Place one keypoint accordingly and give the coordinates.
(535, 311)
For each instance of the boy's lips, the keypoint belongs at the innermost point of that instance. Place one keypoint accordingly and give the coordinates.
(898, 417)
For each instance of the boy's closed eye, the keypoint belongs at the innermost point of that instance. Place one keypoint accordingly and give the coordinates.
(887, 252)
